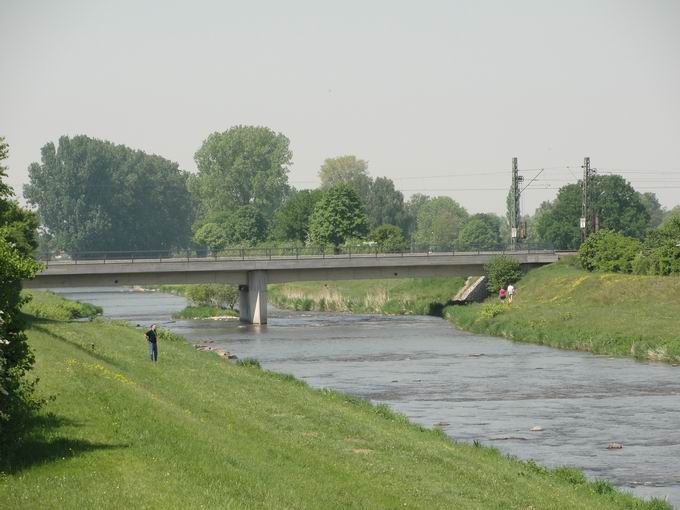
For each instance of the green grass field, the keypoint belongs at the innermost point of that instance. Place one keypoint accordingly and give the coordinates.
(419, 296)
(562, 306)
(197, 431)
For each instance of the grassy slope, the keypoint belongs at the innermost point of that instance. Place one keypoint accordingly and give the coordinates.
(393, 296)
(49, 304)
(562, 306)
(198, 432)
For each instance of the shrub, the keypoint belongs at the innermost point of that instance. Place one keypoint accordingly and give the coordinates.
(501, 271)
(219, 295)
(611, 251)
(661, 250)
(491, 310)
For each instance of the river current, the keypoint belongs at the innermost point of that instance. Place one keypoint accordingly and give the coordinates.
(474, 387)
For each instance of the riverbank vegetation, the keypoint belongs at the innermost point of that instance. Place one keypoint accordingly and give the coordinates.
(196, 431)
(207, 300)
(48, 305)
(563, 306)
(399, 296)
(204, 312)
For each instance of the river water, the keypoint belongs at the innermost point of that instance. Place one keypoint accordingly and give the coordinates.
(474, 387)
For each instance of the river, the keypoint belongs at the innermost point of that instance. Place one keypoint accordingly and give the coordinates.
(474, 387)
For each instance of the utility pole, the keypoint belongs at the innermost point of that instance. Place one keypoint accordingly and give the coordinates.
(515, 215)
(585, 185)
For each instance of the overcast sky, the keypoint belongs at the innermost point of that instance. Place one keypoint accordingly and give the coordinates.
(418, 89)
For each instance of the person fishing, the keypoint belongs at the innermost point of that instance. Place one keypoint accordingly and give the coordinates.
(152, 338)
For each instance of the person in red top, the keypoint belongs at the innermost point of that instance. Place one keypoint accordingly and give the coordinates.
(501, 295)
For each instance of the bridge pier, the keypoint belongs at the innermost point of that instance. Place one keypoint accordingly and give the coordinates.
(253, 298)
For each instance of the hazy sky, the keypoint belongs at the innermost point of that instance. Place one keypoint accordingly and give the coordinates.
(418, 89)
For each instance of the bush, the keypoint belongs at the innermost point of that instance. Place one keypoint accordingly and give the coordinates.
(218, 295)
(491, 310)
(501, 271)
(661, 250)
(610, 251)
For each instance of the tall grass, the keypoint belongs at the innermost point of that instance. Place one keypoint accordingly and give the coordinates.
(421, 296)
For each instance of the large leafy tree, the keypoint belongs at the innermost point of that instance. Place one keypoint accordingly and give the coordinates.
(338, 216)
(16, 263)
(559, 222)
(654, 209)
(412, 207)
(93, 195)
(348, 170)
(245, 165)
(616, 204)
(619, 207)
(481, 232)
(439, 222)
(291, 221)
(385, 205)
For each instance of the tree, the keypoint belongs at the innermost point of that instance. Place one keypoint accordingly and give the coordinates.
(439, 222)
(246, 225)
(291, 221)
(619, 207)
(481, 232)
(668, 216)
(616, 204)
(212, 235)
(94, 195)
(337, 217)
(412, 207)
(654, 209)
(559, 223)
(388, 239)
(16, 359)
(348, 170)
(245, 165)
(385, 205)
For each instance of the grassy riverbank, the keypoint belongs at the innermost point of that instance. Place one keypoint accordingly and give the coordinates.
(196, 431)
(50, 305)
(419, 296)
(193, 311)
(569, 308)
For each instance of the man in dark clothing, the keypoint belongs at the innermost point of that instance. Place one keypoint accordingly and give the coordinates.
(151, 340)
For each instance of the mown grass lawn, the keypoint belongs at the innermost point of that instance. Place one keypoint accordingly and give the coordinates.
(563, 306)
(197, 431)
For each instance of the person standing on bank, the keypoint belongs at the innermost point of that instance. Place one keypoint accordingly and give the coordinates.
(511, 292)
(151, 340)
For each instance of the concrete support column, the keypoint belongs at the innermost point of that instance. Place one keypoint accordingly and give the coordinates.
(243, 305)
(257, 297)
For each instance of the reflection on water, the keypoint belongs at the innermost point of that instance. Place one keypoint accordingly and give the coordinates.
(484, 388)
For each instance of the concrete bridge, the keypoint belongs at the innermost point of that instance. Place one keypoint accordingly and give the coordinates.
(252, 274)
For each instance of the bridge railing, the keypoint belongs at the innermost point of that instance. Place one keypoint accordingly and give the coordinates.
(284, 252)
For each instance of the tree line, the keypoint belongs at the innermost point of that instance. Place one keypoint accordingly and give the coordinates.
(93, 195)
